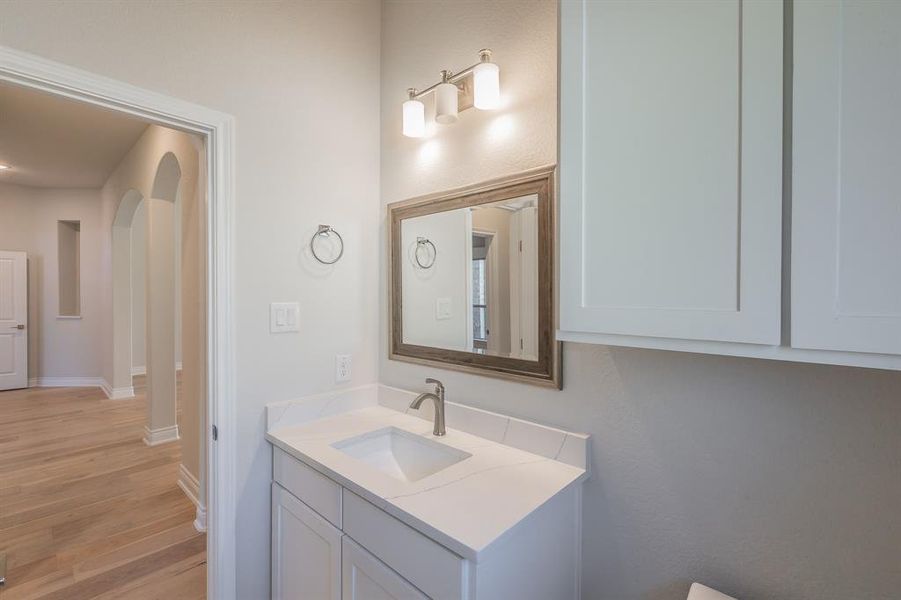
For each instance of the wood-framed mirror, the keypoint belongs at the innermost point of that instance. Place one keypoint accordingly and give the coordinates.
(472, 279)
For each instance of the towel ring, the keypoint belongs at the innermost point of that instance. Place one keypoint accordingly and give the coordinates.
(326, 231)
(422, 242)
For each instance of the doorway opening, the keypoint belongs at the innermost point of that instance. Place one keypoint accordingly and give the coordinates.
(205, 350)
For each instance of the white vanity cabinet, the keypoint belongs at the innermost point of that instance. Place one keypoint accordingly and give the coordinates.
(313, 560)
(349, 548)
(306, 551)
(365, 578)
(671, 167)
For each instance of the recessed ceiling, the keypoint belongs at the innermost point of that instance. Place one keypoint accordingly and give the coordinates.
(49, 141)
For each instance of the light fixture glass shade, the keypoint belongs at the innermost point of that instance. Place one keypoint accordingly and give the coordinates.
(446, 103)
(487, 86)
(414, 118)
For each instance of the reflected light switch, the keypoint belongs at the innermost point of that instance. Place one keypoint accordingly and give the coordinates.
(284, 317)
(443, 308)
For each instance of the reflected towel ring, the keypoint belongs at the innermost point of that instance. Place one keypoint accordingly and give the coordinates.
(326, 231)
(422, 242)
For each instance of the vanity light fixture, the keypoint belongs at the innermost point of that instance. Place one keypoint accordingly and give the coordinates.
(414, 116)
(446, 100)
(477, 85)
(4, 167)
(486, 85)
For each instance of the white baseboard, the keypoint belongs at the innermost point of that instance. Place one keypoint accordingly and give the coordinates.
(189, 484)
(142, 370)
(163, 435)
(66, 382)
(200, 519)
(120, 393)
(111, 392)
(191, 487)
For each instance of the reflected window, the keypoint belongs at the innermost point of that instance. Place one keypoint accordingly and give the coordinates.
(479, 302)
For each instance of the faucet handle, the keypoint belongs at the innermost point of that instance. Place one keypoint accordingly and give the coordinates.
(437, 383)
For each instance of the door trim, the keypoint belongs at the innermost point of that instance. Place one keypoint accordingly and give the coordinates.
(217, 129)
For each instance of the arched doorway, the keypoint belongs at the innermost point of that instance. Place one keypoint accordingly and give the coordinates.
(162, 300)
(122, 293)
(217, 131)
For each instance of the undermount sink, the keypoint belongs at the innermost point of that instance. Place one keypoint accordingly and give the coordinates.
(401, 454)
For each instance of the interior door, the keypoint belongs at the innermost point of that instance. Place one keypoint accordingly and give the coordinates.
(13, 321)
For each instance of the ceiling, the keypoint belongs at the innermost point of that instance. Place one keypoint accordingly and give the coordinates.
(50, 141)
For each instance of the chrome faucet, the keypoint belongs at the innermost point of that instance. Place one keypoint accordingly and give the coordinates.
(438, 399)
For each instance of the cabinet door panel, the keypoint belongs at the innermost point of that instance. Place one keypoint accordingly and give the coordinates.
(846, 201)
(364, 577)
(671, 146)
(306, 551)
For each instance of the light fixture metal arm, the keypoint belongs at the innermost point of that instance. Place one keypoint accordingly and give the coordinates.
(450, 77)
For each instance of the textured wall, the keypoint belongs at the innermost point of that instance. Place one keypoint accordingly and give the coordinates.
(763, 479)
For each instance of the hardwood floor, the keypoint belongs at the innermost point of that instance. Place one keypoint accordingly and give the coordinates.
(87, 510)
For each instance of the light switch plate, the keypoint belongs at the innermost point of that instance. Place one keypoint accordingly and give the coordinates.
(443, 308)
(284, 317)
(343, 366)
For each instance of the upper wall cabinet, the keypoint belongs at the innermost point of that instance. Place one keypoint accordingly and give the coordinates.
(846, 205)
(671, 169)
(671, 192)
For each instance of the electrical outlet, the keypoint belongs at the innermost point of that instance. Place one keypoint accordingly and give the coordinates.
(342, 368)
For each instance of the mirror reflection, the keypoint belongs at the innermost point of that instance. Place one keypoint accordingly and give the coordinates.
(469, 280)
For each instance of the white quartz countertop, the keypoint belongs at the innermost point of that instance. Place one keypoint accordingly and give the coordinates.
(467, 507)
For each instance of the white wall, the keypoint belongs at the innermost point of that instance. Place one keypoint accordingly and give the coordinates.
(138, 288)
(764, 479)
(445, 280)
(28, 221)
(301, 79)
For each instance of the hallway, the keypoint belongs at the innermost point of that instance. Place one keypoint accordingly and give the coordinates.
(87, 510)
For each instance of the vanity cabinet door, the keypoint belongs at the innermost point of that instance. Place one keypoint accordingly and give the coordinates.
(306, 551)
(846, 201)
(671, 170)
(367, 578)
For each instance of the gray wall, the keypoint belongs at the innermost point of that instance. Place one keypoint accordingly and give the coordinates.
(763, 479)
